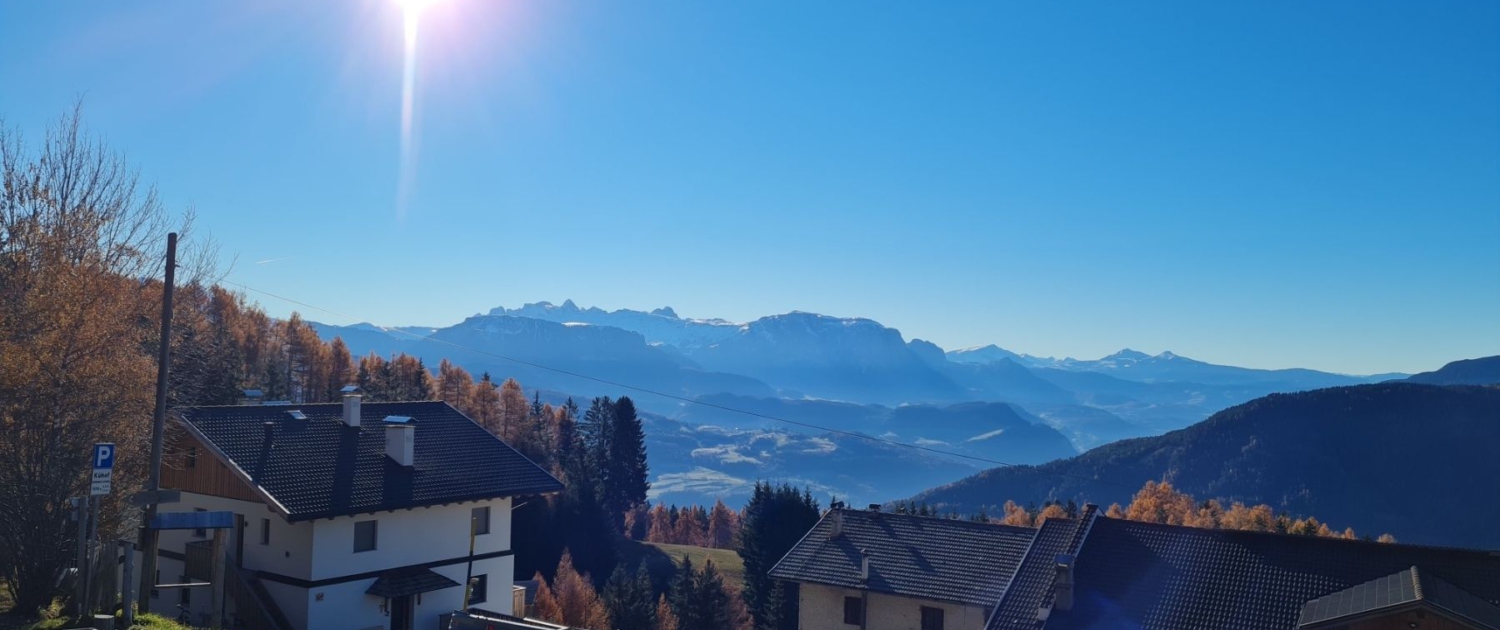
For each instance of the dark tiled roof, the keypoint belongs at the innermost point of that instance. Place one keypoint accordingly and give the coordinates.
(1408, 587)
(318, 467)
(408, 582)
(1149, 576)
(917, 556)
(1032, 587)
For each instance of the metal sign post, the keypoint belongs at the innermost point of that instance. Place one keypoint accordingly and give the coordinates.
(81, 512)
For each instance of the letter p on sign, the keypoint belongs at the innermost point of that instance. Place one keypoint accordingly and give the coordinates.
(104, 455)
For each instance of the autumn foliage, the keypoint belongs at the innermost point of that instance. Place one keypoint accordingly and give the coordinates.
(688, 525)
(1159, 502)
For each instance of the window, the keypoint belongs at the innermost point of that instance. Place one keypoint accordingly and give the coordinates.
(932, 618)
(364, 536)
(192, 457)
(200, 532)
(481, 520)
(852, 611)
(480, 589)
(265, 531)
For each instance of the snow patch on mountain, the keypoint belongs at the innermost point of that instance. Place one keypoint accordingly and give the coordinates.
(661, 325)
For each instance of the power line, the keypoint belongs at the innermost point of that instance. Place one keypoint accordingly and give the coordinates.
(684, 399)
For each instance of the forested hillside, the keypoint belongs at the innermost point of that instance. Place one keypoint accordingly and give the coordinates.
(1485, 371)
(1417, 461)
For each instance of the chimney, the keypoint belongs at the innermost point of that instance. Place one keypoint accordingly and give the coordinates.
(351, 405)
(269, 435)
(1062, 585)
(836, 520)
(864, 565)
(874, 507)
(251, 396)
(401, 439)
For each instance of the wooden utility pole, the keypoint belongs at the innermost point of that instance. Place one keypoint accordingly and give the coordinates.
(150, 537)
(126, 601)
(219, 566)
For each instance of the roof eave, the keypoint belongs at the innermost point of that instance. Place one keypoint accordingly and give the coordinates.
(313, 516)
(224, 459)
(947, 600)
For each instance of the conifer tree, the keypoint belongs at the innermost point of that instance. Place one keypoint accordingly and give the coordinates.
(774, 520)
(665, 618)
(626, 469)
(629, 599)
(723, 523)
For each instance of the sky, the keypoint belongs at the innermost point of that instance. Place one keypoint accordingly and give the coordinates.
(1268, 184)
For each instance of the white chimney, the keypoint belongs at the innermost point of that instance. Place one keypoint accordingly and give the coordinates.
(1062, 586)
(351, 405)
(836, 523)
(401, 439)
(864, 565)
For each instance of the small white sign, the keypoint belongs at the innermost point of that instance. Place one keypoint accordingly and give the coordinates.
(104, 468)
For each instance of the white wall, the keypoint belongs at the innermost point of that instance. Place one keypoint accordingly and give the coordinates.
(406, 537)
(346, 606)
(822, 607)
(290, 551)
(292, 600)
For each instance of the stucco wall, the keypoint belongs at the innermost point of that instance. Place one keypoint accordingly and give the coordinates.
(345, 606)
(406, 537)
(291, 543)
(822, 607)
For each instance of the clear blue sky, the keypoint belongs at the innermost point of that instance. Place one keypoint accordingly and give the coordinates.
(1269, 184)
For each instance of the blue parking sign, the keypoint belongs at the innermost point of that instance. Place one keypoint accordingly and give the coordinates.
(104, 455)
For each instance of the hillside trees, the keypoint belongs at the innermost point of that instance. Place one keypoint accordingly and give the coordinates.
(81, 243)
(630, 600)
(701, 601)
(570, 598)
(773, 521)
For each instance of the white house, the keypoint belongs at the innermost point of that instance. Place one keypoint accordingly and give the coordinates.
(351, 516)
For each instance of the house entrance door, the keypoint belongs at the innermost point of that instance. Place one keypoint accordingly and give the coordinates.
(402, 613)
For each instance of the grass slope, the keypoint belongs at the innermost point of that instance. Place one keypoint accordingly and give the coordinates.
(661, 558)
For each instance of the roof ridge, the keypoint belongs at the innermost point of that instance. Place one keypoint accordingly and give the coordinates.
(306, 404)
(1353, 541)
(943, 519)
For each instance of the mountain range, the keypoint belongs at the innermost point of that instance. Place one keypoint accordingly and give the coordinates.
(1410, 459)
(822, 369)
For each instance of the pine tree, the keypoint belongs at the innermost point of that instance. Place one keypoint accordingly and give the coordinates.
(682, 591)
(773, 521)
(629, 599)
(626, 471)
(710, 602)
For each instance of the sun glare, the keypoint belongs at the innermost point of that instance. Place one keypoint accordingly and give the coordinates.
(411, 19)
